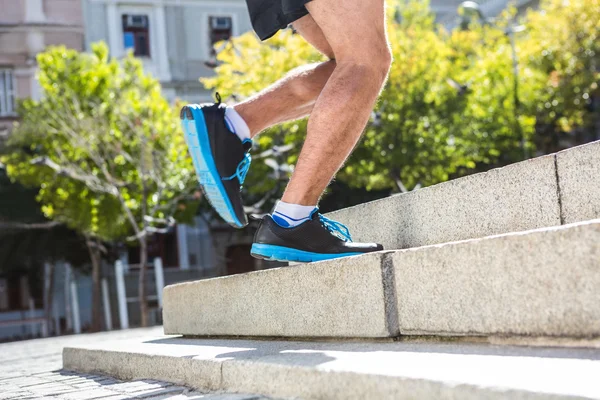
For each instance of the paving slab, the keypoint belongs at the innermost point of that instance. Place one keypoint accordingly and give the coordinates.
(518, 197)
(541, 283)
(578, 171)
(325, 299)
(356, 370)
(33, 369)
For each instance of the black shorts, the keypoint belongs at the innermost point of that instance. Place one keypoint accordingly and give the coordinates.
(269, 16)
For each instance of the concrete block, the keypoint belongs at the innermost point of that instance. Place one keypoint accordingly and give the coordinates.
(519, 197)
(362, 370)
(338, 298)
(145, 359)
(542, 283)
(579, 181)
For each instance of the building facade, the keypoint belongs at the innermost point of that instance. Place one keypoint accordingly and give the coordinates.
(174, 38)
(27, 27)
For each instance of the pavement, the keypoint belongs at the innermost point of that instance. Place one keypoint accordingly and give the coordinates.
(33, 369)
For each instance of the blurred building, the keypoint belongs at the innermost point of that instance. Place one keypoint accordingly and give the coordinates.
(26, 28)
(174, 38)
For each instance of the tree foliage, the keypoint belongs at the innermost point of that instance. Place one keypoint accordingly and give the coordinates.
(100, 134)
(563, 46)
(449, 107)
(105, 149)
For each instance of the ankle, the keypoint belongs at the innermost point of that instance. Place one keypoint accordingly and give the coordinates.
(300, 199)
(289, 215)
(236, 123)
(251, 119)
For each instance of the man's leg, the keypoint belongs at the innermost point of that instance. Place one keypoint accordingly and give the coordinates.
(221, 159)
(296, 231)
(356, 31)
(294, 96)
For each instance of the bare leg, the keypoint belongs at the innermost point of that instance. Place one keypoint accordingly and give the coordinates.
(355, 29)
(294, 96)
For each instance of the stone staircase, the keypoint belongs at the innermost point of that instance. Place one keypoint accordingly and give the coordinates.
(489, 287)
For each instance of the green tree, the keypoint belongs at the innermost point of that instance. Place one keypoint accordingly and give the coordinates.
(445, 111)
(418, 137)
(105, 149)
(562, 46)
(497, 117)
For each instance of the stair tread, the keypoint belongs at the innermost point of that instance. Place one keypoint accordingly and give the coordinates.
(545, 191)
(541, 282)
(348, 370)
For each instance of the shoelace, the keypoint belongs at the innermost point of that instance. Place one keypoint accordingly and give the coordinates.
(242, 170)
(337, 228)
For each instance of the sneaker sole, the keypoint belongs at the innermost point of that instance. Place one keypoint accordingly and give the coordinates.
(196, 138)
(280, 253)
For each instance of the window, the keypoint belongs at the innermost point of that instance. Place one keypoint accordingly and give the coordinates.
(220, 29)
(7, 93)
(136, 34)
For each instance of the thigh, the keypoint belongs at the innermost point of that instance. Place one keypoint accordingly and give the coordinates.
(353, 28)
(310, 31)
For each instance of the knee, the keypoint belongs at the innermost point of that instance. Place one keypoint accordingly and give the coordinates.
(387, 59)
(374, 62)
(382, 60)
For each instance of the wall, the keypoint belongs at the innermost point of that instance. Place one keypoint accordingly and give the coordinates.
(179, 37)
(26, 28)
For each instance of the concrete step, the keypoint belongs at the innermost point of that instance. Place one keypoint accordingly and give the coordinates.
(537, 283)
(350, 370)
(545, 191)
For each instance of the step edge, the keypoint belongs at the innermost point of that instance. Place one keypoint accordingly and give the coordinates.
(558, 154)
(452, 182)
(381, 326)
(387, 253)
(535, 231)
(344, 383)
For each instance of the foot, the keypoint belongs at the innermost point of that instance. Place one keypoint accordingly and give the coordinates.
(220, 158)
(317, 239)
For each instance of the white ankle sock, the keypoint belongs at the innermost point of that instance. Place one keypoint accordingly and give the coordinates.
(236, 124)
(289, 215)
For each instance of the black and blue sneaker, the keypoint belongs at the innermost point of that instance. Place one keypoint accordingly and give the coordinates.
(319, 238)
(220, 158)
